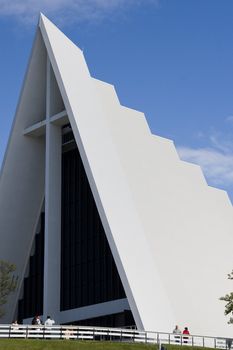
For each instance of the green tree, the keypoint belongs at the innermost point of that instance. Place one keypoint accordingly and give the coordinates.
(8, 283)
(228, 298)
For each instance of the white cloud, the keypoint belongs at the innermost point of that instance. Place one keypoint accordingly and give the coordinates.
(73, 10)
(215, 160)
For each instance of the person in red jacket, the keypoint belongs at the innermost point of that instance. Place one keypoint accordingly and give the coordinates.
(186, 331)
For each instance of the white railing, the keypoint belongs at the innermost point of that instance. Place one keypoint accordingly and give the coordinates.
(112, 334)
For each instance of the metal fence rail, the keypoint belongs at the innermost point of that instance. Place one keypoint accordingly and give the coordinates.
(112, 334)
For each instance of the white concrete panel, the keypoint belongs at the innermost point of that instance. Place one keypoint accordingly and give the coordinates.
(164, 146)
(37, 129)
(96, 310)
(52, 250)
(56, 102)
(52, 255)
(22, 173)
(107, 96)
(109, 89)
(107, 180)
(86, 312)
(186, 225)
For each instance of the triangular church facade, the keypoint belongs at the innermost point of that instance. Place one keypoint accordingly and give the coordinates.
(106, 225)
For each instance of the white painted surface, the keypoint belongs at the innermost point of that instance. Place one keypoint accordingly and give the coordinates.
(85, 312)
(107, 180)
(22, 173)
(52, 255)
(92, 311)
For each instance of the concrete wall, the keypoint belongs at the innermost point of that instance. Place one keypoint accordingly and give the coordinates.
(22, 174)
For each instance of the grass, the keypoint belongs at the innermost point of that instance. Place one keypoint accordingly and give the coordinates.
(183, 347)
(29, 344)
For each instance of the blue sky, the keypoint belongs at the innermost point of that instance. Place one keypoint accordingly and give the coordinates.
(171, 59)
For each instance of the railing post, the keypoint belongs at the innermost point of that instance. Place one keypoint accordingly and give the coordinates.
(203, 342)
(215, 343)
(26, 336)
(169, 338)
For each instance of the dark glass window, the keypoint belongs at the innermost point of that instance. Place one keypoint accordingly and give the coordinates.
(32, 302)
(88, 271)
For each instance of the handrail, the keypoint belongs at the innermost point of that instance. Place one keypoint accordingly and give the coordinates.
(115, 334)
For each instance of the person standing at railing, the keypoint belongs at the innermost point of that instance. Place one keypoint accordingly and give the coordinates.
(49, 322)
(176, 330)
(36, 321)
(186, 331)
(14, 326)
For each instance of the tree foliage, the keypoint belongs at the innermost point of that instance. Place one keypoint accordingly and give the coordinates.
(8, 283)
(228, 298)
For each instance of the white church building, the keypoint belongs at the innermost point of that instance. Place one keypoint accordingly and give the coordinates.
(106, 224)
